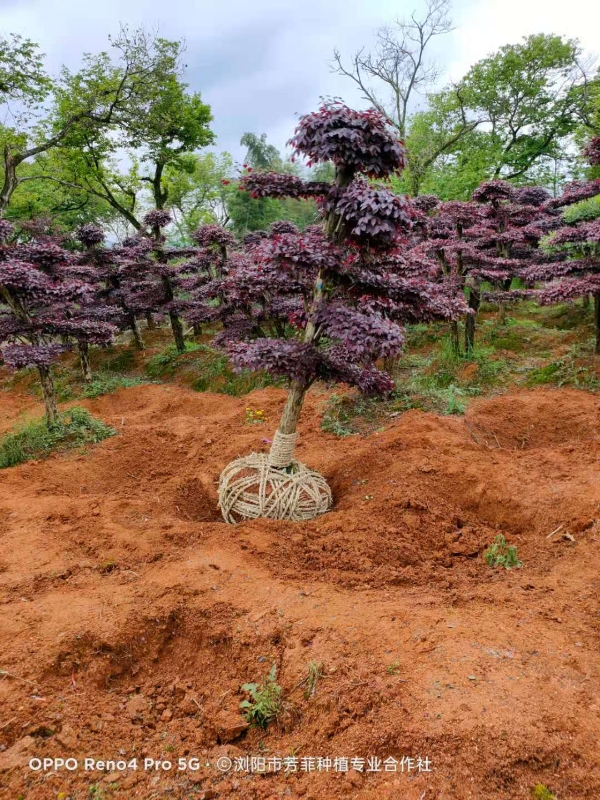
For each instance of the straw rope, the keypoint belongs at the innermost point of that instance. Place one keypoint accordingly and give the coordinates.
(282, 449)
(252, 487)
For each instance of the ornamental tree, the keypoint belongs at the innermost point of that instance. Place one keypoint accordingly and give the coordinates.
(148, 276)
(343, 288)
(491, 238)
(118, 275)
(44, 307)
(571, 268)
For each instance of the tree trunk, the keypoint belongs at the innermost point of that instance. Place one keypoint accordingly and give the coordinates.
(176, 325)
(474, 302)
(501, 314)
(597, 321)
(293, 405)
(295, 399)
(177, 329)
(150, 322)
(49, 395)
(585, 302)
(197, 328)
(455, 338)
(135, 329)
(10, 182)
(84, 358)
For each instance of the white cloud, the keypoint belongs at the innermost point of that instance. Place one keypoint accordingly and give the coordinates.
(260, 63)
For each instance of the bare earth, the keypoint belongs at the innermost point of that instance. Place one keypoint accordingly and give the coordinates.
(130, 614)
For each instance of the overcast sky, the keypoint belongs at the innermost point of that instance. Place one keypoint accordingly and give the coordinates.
(260, 62)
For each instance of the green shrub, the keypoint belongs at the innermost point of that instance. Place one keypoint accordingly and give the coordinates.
(266, 702)
(33, 439)
(501, 554)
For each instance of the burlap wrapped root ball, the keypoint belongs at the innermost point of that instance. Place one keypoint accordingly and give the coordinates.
(273, 486)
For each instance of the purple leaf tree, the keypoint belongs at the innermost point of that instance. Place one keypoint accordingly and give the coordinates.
(572, 266)
(492, 238)
(45, 305)
(341, 289)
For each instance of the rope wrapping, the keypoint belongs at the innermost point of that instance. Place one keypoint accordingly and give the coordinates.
(282, 449)
(253, 487)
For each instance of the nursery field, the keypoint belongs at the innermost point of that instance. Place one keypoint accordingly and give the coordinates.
(131, 615)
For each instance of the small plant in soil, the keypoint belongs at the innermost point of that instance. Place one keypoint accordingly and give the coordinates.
(454, 405)
(315, 673)
(254, 416)
(542, 792)
(393, 668)
(265, 702)
(501, 554)
(34, 439)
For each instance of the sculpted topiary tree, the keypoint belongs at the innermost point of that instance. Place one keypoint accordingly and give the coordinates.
(354, 291)
(492, 238)
(44, 305)
(572, 269)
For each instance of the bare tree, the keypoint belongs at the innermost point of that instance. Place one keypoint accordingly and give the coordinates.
(399, 62)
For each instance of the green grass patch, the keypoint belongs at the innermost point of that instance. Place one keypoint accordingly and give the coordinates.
(541, 376)
(107, 382)
(33, 439)
(579, 369)
(168, 360)
(214, 374)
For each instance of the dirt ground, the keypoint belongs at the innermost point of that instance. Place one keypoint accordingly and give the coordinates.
(130, 614)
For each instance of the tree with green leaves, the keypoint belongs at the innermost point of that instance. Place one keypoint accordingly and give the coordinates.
(198, 190)
(158, 126)
(93, 99)
(248, 214)
(527, 97)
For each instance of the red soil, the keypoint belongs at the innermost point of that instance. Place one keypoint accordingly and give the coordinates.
(130, 614)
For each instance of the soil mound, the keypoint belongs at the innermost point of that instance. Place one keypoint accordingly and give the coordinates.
(131, 614)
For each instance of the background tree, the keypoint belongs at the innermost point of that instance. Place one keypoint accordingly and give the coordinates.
(491, 239)
(198, 191)
(91, 99)
(573, 267)
(398, 66)
(526, 96)
(43, 305)
(156, 128)
(249, 213)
